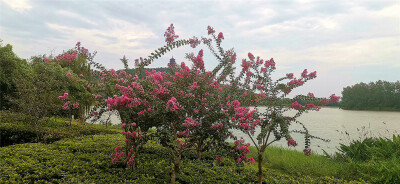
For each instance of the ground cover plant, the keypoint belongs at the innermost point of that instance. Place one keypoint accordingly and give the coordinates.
(86, 159)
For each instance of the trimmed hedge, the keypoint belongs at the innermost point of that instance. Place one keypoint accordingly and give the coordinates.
(87, 159)
(15, 128)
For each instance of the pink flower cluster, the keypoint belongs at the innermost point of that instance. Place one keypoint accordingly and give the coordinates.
(295, 82)
(194, 42)
(270, 63)
(334, 98)
(75, 105)
(117, 154)
(305, 74)
(189, 122)
(66, 105)
(172, 105)
(170, 34)
(67, 57)
(210, 30)
(198, 61)
(296, 105)
(217, 126)
(307, 151)
(122, 101)
(130, 159)
(291, 142)
(220, 36)
(312, 107)
(64, 97)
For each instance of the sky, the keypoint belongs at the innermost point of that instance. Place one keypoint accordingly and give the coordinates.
(346, 42)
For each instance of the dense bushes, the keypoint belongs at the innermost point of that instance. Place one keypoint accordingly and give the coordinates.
(87, 160)
(376, 160)
(15, 128)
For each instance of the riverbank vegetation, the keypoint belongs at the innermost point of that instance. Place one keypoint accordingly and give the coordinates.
(86, 159)
(379, 95)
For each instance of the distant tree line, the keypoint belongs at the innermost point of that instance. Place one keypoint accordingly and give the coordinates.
(380, 95)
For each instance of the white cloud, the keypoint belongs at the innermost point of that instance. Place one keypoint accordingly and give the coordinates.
(301, 24)
(76, 16)
(18, 5)
(375, 51)
(116, 36)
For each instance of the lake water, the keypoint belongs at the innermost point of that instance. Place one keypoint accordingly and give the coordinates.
(341, 126)
(332, 124)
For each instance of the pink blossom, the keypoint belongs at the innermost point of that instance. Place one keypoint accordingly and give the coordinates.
(123, 125)
(194, 86)
(170, 34)
(66, 105)
(64, 97)
(289, 75)
(310, 95)
(81, 75)
(251, 56)
(217, 126)
(75, 105)
(189, 122)
(312, 106)
(296, 105)
(46, 60)
(194, 42)
(291, 142)
(68, 74)
(172, 104)
(220, 36)
(334, 98)
(245, 64)
(304, 73)
(210, 30)
(94, 113)
(324, 101)
(312, 75)
(118, 148)
(133, 124)
(198, 61)
(307, 151)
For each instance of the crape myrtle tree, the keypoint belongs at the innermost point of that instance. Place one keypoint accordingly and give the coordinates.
(188, 106)
(194, 109)
(271, 124)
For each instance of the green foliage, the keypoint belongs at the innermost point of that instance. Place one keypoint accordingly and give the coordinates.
(294, 162)
(371, 149)
(376, 160)
(10, 66)
(87, 160)
(16, 128)
(380, 95)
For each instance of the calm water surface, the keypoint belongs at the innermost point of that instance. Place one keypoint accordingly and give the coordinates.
(341, 126)
(333, 124)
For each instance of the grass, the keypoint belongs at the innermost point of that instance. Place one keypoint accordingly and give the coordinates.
(293, 162)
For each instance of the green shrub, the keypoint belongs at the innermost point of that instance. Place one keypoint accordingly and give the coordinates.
(371, 149)
(15, 128)
(87, 159)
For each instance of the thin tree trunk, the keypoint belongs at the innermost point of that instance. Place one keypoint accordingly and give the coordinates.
(177, 166)
(260, 172)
